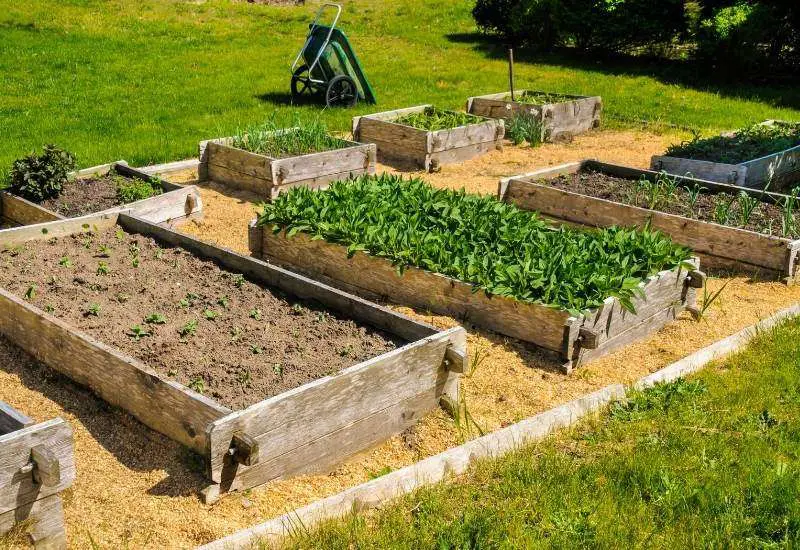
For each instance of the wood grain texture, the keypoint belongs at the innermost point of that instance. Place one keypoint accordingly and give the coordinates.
(24, 212)
(728, 243)
(733, 174)
(334, 409)
(17, 484)
(47, 530)
(11, 419)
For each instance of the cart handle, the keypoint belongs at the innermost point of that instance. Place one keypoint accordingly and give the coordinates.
(314, 25)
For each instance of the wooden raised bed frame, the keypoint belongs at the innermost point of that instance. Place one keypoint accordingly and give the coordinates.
(307, 429)
(407, 146)
(560, 121)
(719, 246)
(267, 176)
(174, 205)
(782, 169)
(575, 339)
(36, 464)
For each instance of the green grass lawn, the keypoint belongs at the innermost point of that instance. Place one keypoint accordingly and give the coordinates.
(711, 461)
(144, 80)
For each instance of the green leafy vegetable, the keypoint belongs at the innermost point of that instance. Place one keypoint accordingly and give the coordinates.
(432, 119)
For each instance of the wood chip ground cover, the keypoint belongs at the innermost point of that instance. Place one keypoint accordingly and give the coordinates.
(433, 119)
(666, 195)
(745, 144)
(476, 239)
(193, 322)
(97, 193)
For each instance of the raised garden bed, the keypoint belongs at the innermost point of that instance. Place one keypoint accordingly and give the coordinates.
(561, 116)
(710, 218)
(269, 170)
(426, 137)
(238, 331)
(764, 156)
(36, 465)
(95, 190)
(567, 314)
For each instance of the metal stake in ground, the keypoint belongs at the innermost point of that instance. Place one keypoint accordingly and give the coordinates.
(511, 71)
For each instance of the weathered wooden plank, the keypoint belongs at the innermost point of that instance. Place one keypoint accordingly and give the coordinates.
(167, 168)
(486, 131)
(47, 529)
(356, 159)
(373, 130)
(165, 406)
(238, 160)
(24, 212)
(11, 419)
(237, 180)
(530, 322)
(17, 481)
(461, 154)
(289, 421)
(290, 282)
(782, 169)
(14, 236)
(169, 206)
(704, 237)
(733, 174)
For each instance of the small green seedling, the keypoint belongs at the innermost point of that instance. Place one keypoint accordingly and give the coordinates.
(256, 349)
(198, 385)
(277, 368)
(238, 281)
(30, 294)
(347, 350)
(137, 332)
(155, 319)
(93, 309)
(119, 234)
(245, 378)
(102, 268)
(210, 314)
(65, 262)
(49, 308)
(122, 297)
(255, 313)
(104, 251)
(223, 301)
(188, 329)
(135, 262)
(297, 309)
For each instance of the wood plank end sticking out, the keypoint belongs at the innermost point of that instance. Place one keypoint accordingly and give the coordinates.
(333, 417)
(43, 522)
(11, 419)
(24, 480)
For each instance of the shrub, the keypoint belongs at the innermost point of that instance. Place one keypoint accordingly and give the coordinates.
(41, 177)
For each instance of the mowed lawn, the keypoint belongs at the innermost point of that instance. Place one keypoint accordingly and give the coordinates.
(705, 462)
(145, 80)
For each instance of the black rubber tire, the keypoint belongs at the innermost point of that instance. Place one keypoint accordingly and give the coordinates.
(300, 85)
(342, 92)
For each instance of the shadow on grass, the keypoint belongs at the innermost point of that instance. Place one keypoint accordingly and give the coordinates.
(779, 92)
(286, 99)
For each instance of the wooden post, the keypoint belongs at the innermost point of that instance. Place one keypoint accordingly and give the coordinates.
(511, 71)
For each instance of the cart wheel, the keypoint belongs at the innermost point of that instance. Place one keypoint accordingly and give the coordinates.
(342, 92)
(300, 82)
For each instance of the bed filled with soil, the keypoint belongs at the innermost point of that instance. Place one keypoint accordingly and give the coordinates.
(207, 328)
(766, 217)
(83, 196)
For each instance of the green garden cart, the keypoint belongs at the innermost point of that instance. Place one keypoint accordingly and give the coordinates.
(327, 66)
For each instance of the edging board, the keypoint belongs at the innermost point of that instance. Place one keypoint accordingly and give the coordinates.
(574, 339)
(268, 176)
(37, 463)
(453, 462)
(406, 146)
(174, 204)
(718, 245)
(560, 121)
(780, 170)
(309, 428)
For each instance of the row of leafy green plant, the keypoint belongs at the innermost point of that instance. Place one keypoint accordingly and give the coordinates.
(735, 210)
(39, 177)
(432, 119)
(477, 239)
(540, 98)
(272, 138)
(743, 145)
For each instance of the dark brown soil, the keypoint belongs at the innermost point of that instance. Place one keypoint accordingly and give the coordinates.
(766, 217)
(259, 342)
(85, 196)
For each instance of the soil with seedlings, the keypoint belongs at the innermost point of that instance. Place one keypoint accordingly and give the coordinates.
(84, 196)
(207, 328)
(664, 196)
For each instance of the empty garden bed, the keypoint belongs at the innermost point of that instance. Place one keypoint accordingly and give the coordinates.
(36, 464)
(427, 137)
(576, 293)
(266, 160)
(182, 334)
(763, 156)
(730, 227)
(106, 187)
(560, 116)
